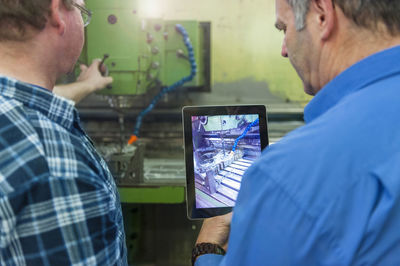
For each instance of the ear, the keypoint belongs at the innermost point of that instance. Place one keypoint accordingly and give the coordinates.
(325, 16)
(56, 18)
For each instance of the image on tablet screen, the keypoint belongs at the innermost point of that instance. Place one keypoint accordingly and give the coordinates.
(224, 146)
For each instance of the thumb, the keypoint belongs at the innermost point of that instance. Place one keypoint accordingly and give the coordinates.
(83, 67)
(108, 80)
(96, 62)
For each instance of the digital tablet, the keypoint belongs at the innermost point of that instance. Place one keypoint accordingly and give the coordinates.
(221, 142)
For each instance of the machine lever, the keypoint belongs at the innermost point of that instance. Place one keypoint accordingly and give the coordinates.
(104, 69)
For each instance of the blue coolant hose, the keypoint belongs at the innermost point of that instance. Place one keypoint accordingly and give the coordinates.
(173, 87)
(255, 123)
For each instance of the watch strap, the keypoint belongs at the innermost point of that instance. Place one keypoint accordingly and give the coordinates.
(206, 248)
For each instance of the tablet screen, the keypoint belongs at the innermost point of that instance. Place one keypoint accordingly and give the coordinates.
(224, 146)
(221, 142)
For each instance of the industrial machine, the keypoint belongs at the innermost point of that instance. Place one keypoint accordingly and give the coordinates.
(158, 66)
(149, 59)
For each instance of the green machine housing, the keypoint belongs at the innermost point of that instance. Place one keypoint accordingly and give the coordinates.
(144, 52)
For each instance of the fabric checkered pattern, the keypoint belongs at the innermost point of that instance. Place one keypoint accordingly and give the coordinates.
(58, 201)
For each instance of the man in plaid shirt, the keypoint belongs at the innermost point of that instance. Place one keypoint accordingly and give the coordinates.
(58, 202)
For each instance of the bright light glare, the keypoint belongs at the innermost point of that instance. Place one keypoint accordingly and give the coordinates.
(150, 8)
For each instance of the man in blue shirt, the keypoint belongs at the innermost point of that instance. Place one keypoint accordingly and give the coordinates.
(328, 193)
(58, 201)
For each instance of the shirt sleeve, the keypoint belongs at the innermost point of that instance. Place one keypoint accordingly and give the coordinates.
(209, 260)
(60, 221)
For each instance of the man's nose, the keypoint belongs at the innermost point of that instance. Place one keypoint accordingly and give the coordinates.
(284, 52)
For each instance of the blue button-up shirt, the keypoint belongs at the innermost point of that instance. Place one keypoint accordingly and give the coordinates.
(329, 192)
(58, 201)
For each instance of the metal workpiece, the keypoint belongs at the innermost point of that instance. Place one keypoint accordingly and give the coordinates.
(130, 168)
(125, 164)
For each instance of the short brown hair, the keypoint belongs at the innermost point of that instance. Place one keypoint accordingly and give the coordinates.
(18, 16)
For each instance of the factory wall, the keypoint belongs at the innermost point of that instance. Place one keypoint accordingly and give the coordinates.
(245, 45)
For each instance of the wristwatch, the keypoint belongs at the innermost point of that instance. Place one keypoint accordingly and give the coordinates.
(206, 248)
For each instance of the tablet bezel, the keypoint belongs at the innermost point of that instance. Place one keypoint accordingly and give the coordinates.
(187, 113)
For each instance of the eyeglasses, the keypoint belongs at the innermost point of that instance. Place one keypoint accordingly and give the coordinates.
(86, 13)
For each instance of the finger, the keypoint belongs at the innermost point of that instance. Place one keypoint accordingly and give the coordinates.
(108, 80)
(83, 67)
(96, 63)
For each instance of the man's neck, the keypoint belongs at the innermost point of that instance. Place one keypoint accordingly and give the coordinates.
(24, 61)
(350, 50)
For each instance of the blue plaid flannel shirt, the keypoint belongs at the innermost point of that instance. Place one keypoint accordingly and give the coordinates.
(58, 201)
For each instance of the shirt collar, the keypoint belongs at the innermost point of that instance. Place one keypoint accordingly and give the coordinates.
(57, 109)
(367, 71)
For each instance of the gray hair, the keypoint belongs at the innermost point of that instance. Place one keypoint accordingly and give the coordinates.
(368, 14)
(300, 10)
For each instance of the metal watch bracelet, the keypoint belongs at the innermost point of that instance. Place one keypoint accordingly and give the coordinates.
(206, 248)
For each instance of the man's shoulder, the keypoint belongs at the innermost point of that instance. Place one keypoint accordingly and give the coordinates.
(16, 124)
(21, 152)
(345, 146)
